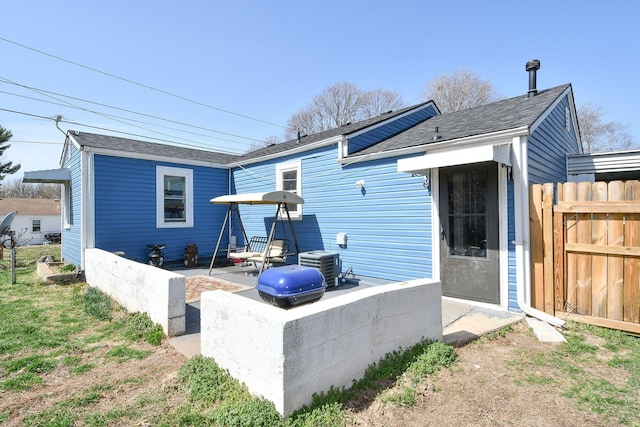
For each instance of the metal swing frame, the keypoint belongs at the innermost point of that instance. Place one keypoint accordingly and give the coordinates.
(281, 199)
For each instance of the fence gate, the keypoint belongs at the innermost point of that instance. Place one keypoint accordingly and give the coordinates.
(585, 252)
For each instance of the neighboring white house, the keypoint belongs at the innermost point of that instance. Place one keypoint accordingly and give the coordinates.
(35, 218)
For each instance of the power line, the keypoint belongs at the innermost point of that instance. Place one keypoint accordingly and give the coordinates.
(35, 142)
(140, 84)
(116, 131)
(44, 92)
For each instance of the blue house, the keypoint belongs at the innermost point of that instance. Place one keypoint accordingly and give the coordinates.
(416, 193)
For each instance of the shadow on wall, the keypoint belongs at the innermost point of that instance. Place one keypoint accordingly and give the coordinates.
(307, 232)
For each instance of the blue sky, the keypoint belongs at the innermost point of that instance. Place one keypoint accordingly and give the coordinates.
(265, 60)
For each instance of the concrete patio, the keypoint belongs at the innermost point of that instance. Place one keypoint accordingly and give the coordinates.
(461, 322)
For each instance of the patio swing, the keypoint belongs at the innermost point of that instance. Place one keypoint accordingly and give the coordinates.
(269, 249)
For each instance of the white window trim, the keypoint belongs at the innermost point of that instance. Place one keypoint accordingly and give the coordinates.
(66, 203)
(187, 174)
(286, 167)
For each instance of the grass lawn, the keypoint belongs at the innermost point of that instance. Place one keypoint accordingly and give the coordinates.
(70, 356)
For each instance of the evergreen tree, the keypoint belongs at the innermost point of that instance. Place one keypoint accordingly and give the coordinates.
(6, 168)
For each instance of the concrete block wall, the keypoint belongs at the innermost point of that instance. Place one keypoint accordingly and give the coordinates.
(288, 355)
(139, 287)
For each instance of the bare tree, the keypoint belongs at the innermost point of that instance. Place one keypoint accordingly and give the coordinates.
(597, 135)
(270, 140)
(339, 104)
(459, 90)
(380, 101)
(15, 188)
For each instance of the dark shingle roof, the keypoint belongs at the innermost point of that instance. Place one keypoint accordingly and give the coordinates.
(93, 140)
(501, 115)
(316, 137)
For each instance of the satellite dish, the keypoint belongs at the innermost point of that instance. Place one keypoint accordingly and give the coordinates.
(6, 223)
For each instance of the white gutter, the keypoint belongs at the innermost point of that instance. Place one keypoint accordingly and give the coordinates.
(494, 138)
(521, 213)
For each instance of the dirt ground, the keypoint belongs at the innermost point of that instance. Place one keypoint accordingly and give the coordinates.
(480, 389)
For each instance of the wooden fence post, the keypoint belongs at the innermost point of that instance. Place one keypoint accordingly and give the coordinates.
(632, 264)
(536, 237)
(599, 261)
(547, 229)
(615, 267)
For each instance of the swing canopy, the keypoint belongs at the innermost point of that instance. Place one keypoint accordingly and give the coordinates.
(281, 199)
(268, 198)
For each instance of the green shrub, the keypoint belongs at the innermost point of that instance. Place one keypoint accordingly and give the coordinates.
(97, 304)
(431, 360)
(253, 412)
(206, 381)
(328, 415)
(139, 326)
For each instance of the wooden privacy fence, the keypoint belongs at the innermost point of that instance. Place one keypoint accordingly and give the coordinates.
(585, 252)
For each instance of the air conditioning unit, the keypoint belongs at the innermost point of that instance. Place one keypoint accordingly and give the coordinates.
(327, 262)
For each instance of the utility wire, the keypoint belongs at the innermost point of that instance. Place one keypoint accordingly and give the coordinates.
(140, 84)
(114, 117)
(35, 142)
(44, 91)
(114, 131)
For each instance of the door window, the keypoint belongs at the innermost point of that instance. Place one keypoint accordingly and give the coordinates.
(467, 216)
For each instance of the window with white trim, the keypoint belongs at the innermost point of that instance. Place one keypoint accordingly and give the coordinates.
(174, 197)
(289, 178)
(35, 226)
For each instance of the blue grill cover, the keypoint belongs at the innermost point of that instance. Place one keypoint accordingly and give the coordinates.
(291, 285)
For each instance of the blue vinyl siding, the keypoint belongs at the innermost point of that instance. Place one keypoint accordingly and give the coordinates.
(125, 208)
(71, 237)
(549, 145)
(387, 130)
(388, 224)
(511, 250)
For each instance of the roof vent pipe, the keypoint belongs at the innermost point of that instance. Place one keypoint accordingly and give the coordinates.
(532, 67)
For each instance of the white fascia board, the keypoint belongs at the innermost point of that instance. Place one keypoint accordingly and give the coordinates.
(494, 138)
(457, 156)
(307, 147)
(152, 157)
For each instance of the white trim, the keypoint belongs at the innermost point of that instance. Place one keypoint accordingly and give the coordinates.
(86, 204)
(457, 156)
(296, 166)
(503, 259)
(185, 173)
(495, 138)
(435, 224)
(503, 230)
(66, 205)
(153, 157)
(521, 216)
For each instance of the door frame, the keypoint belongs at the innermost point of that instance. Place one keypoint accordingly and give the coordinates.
(503, 238)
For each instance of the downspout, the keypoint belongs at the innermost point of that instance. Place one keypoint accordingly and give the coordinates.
(521, 213)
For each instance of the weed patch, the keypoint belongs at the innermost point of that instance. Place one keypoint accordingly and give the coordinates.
(139, 326)
(21, 382)
(123, 353)
(97, 304)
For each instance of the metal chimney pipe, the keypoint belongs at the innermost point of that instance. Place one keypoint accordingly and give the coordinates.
(532, 66)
